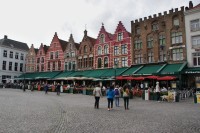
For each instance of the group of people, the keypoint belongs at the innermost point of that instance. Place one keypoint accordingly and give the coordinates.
(113, 93)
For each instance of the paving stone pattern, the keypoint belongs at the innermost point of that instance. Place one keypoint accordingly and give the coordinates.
(35, 112)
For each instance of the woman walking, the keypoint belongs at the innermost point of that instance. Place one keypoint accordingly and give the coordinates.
(126, 97)
(117, 95)
(97, 93)
(110, 95)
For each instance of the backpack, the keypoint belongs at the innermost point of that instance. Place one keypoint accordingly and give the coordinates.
(116, 91)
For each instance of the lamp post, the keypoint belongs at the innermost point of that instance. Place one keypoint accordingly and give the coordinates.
(115, 67)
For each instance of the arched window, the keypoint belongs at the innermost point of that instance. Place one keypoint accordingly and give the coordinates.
(155, 26)
(70, 46)
(106, 62)
(102, 39)
(85, 49)
(99, 63)
(106, 49)
(99, 50)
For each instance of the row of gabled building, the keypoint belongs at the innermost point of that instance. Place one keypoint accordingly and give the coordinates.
(168, 41)
(106, 51)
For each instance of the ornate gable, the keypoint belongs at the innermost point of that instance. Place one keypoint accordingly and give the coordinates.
(103, 34)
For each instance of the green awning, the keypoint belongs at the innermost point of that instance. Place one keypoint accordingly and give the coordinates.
(149, 69)
(47, 75)
(131, 70)
(193, 70)
(97, 73)
(172, 68)
(29, 76)
(111, 72)
(63, 75)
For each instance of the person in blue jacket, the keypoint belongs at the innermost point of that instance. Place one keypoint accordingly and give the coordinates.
(110, 95)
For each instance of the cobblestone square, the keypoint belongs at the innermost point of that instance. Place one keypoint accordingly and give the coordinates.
(35, 112)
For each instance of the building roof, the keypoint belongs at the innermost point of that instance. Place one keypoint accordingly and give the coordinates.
(36, 50)
(13, 44)
(197, 6)
(45, 48)
(63, 44)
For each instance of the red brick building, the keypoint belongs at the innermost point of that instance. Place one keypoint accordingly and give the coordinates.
(30, 59)
(121, 47)
(102, 49)
(85, 55)
(160, 38)
(54, 59)
(41, 58)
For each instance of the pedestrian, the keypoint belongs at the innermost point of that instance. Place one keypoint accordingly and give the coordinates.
(126, 97)
(117, 95)
(97, 94)
(24, 88)
(58, 89)
(158, 91)
(32, 86)
(110, 95)
(46, 87)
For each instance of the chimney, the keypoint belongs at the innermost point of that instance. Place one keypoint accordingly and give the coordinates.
(5, 37)
(190, 4)
(85, 33)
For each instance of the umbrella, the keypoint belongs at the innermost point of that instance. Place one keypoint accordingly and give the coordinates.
(167, 78)
(138, 78)
(152, 77)
(120, 77)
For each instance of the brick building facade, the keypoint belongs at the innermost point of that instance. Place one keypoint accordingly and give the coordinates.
(159, 38)
(41, 58)
(71, 53)
(30, 59)
(85, 54)
(55, 55)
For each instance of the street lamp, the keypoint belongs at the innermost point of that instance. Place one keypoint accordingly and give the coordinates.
(115, 67)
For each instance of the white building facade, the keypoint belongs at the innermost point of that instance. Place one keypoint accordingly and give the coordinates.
(12, 59)
(192, 27)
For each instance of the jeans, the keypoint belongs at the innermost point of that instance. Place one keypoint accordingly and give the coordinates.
(126, 102)
(158, 95)
(110, 103)
(96, 104)
(117, 101)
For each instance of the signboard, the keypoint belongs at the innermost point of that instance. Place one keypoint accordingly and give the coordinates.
(171, 96)
(173, 84)
(197, 84)
(198, 97)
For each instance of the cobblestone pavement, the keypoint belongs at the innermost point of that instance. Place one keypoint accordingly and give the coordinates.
(35, 112)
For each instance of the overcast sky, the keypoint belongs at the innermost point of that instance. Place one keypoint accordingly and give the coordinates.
(36, 21)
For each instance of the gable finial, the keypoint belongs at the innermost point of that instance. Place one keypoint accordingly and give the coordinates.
(102, 24)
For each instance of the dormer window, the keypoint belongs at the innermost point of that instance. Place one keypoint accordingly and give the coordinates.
(102, 38)
(176, 21)
(120, 36)
(155, 26)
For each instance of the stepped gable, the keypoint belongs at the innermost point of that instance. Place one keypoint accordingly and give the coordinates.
(107, 34)
(13, 44)
(71, 39)
(120, 28)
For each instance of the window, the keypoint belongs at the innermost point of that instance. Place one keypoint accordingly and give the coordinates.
(42, 60)
(70, 46)
(10, 66)
(22, 57)
(177, 54)
(106, 62)
(11, 54)
(150, 42)
(90, 61)
(16, 66)
(120, 36)
(116, 60)
(48, 65)
(124, 49)
(33, 60)
(124, 61)
(4, 65)
(196, 59)
(195, 25)
(138, 58)
(85, 49)
(176, 37)
(106, 49)
(162, 56)
(196, 41)
(176, 21)
(80, 63)
(16, 55)
(40, 52)
(162, 40)
(66, 65)
(102, 39)
(150, 57)
(85, 62)
(54, 66)
(56, 54)
(99, 63)
(137, 30)
(38, 68)
(59, 65)
(51, 55)
(72, 54)
(99, 50)
(73, 65)
(38, 60)
(42, 67)
(154, 26)
(138, 44)
(21, 67)
(67, 55)
(116, 50)
(5, 53)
